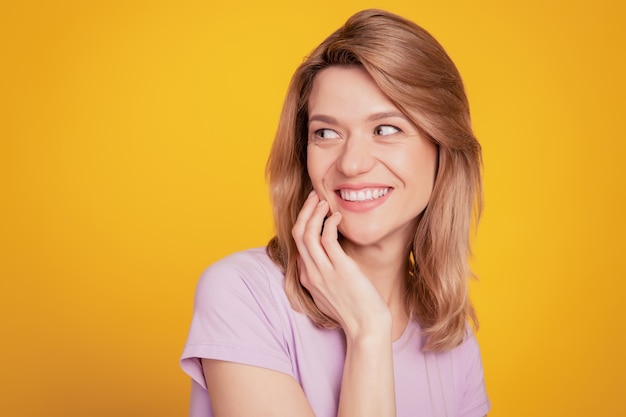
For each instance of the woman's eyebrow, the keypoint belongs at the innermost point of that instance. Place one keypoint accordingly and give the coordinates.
(386, 115)
(322, 118)
(371, 118)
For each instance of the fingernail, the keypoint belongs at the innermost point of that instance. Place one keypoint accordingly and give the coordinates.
(321, 202)
(311, 193)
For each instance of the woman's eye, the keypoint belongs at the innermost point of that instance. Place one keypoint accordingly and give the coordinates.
(386, 130)
(326, 134)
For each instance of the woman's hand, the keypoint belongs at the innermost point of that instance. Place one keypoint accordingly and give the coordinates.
(339, 288)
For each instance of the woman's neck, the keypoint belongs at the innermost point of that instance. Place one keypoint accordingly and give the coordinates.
(387, 268)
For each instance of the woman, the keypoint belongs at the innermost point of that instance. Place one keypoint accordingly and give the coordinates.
(359, 305)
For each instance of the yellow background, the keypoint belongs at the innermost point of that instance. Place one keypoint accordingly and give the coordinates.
(133, 142)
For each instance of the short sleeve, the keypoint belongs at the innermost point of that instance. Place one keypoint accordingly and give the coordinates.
(236, 318)
(474, 401)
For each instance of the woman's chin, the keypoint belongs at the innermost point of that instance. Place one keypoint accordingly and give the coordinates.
(359, 235)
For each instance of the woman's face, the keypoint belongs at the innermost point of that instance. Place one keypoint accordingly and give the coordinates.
(366, 158)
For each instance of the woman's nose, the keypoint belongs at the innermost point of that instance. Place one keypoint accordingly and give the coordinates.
(356, 156)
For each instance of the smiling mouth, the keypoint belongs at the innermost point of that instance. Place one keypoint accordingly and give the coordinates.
(365, 194)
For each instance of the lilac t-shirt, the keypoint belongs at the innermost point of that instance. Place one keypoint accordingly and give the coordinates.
(242, 315)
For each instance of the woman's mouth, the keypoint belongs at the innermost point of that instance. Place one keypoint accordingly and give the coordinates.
(365, 194)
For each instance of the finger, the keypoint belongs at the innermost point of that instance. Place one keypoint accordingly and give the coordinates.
(312, 236)
(297, 232)
(330, 240)
(302, 273)
(304, 215)
(306, 234)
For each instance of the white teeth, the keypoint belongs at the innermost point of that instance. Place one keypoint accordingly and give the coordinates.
(363, 195)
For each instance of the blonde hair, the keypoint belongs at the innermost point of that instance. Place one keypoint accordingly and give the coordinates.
(415, 72)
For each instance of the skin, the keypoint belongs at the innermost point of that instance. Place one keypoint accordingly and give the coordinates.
(357, 139)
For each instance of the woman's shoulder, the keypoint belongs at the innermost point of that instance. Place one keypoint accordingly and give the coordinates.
(239, 315)
(247, 263)
(249, 270)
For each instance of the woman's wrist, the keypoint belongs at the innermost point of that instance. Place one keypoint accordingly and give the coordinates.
(370, 332)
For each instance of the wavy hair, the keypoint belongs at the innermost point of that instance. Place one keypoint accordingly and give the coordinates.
(418, 76)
